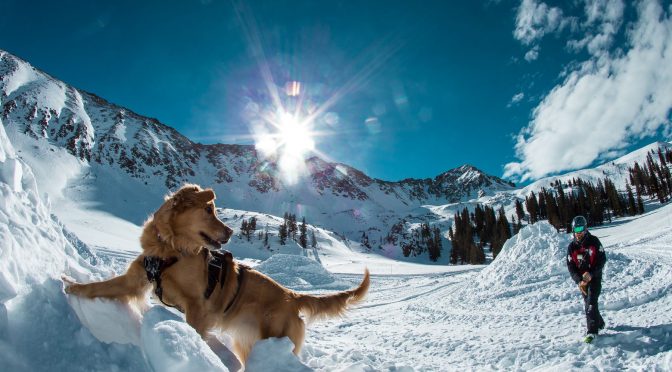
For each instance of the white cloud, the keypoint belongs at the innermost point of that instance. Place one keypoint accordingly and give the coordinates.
(532, 54)
(604, 103)
(516, 98)
(602, 22)
(534, 20)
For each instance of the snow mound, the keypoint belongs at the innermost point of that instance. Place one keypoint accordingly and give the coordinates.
(32, 246)
(535, 254)
(299, 272)
(169, 344)
(109, 321)
(274, 354)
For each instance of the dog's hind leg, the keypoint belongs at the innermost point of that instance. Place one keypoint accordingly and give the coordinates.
(244, 339)
(296, 331)
(125, 287)
(292, 327)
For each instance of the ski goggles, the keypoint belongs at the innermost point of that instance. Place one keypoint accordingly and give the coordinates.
(579, 229)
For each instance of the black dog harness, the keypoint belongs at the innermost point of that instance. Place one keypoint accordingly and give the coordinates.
(154, 267)
(217, 270)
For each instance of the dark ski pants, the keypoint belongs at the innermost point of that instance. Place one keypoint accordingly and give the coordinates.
(594, 320)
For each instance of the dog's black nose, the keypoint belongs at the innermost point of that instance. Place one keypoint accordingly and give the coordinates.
(227, 234)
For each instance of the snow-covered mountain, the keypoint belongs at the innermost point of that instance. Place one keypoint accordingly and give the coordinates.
(105, 158)
(616, 170)
(103, 147)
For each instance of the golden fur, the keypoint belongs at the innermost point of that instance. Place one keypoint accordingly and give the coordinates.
(182, 227)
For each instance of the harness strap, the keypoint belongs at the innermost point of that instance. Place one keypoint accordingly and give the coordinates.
(217, 269)
(241, 271)
(154, 267)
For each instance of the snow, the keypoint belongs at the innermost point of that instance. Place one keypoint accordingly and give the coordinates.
(274, 354)
(535, 254)
(170, 344)
(306, 273)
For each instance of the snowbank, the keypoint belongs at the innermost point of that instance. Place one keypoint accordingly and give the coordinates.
(32, 245)
(274, 354)
(170, 344)
(299, 272)
(37, 326)
(535, 254)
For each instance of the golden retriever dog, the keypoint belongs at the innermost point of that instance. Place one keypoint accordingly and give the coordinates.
(245, 303)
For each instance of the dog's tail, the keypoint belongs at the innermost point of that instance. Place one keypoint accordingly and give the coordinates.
(334, 304)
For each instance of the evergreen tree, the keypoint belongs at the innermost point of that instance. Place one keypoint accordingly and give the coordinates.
(283, 233)
(532, 207)
(640, 204)
(543, 214)
(292, 227)
(303, 236)
(313, 240)
(503, 233)
(454, 257)
(436, 246)
(243, 229)
(519, 210)
(632, 204)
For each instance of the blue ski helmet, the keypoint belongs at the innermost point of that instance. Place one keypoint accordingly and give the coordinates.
(579, 224)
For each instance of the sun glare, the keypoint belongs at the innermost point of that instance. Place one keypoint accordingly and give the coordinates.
(295, 135)
(288, 139)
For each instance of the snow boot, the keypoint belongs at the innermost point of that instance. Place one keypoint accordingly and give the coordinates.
(589, 338)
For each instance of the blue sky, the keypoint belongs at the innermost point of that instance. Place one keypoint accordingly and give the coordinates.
(520, 88)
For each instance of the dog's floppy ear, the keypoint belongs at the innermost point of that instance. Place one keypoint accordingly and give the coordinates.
(162, 220)
(205, 196)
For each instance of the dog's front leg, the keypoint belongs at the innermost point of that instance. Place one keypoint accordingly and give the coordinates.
(197, 317)
(131, 284)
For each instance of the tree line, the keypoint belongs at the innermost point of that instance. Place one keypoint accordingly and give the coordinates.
(602, 201)
(424, 239)
(483, 225)
(653, 178)
(288, 230)
(599, 202)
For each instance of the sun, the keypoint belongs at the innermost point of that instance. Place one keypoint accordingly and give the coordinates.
(288, 138)
(294, 135)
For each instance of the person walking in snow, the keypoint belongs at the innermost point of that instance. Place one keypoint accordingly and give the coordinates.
(585, 260)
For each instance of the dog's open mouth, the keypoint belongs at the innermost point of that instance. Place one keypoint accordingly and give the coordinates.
(210, 241)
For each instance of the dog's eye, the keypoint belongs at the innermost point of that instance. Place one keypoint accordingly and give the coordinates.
(208, 209)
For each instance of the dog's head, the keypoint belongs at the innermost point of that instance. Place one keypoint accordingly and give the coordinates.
(187, 220)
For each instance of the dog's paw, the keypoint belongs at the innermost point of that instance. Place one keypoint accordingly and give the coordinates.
(70, 286)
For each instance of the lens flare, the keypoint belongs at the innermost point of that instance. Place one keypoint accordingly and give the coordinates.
(288, 139)
(295, 135)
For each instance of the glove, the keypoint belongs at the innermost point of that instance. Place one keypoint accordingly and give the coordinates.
(583, 288)
(587, 277)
